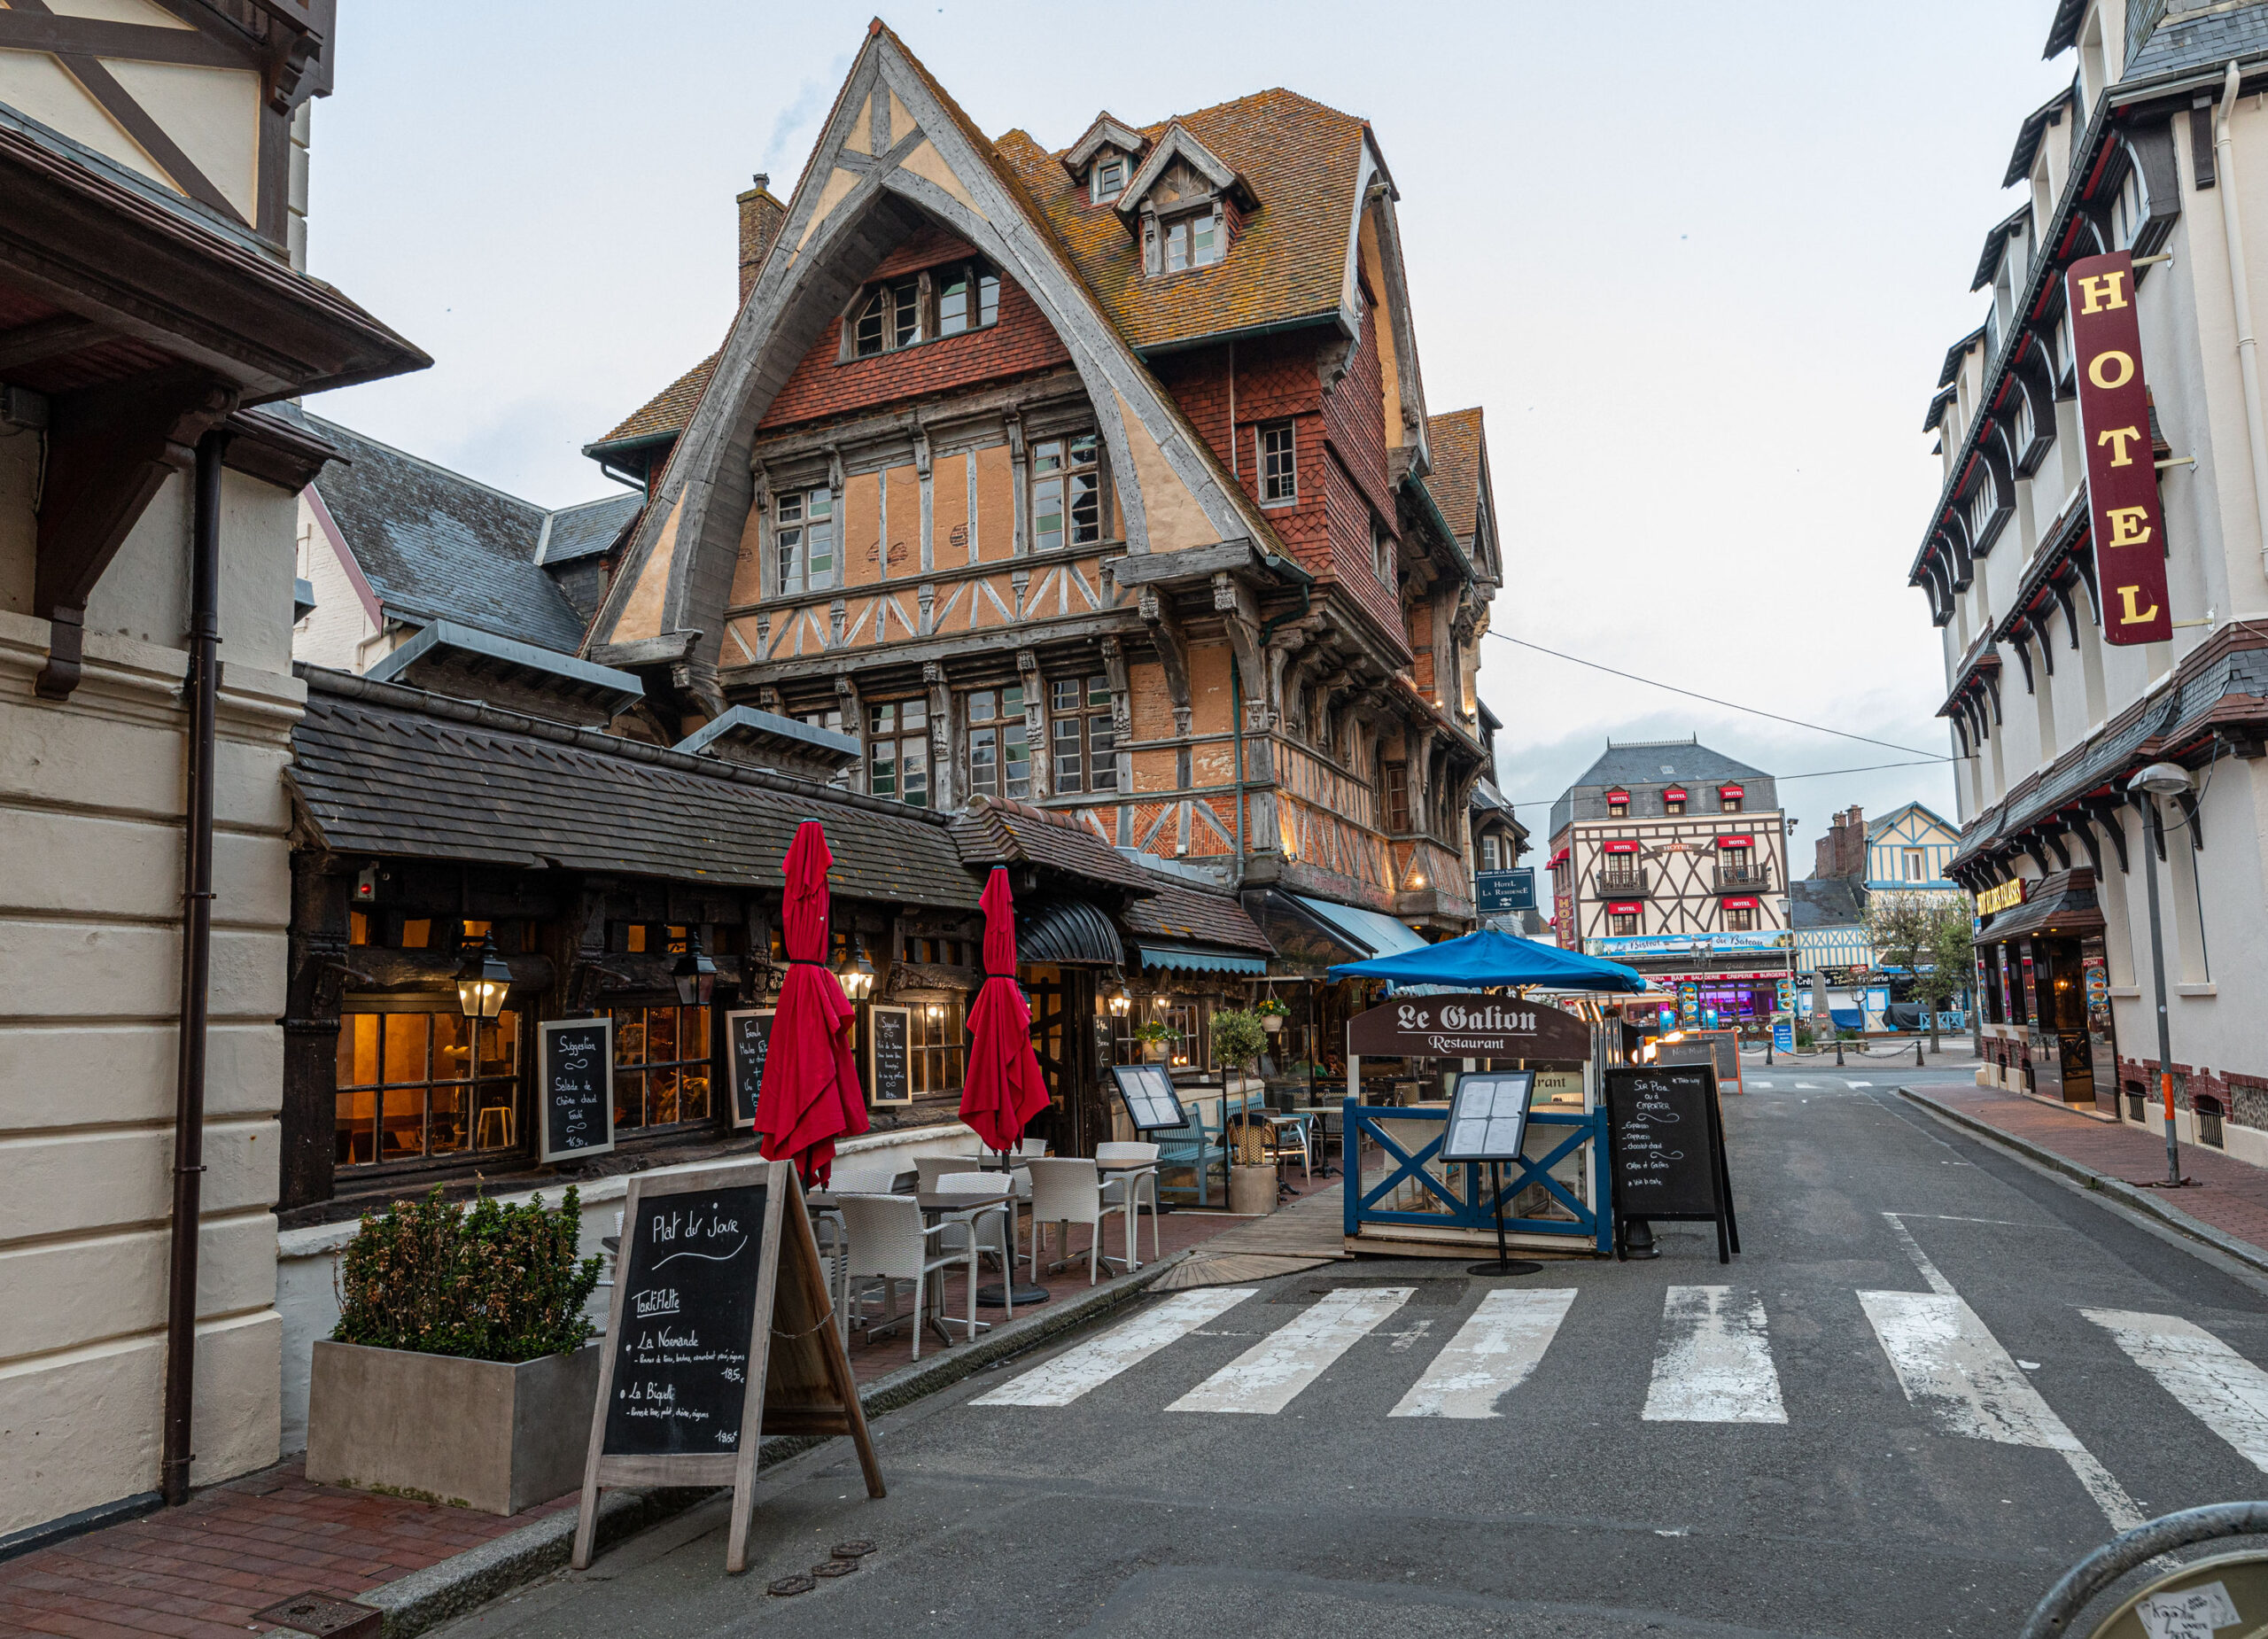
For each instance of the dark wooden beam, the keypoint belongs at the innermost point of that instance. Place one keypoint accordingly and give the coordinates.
(26, 30)
(29, 344)
(110, 450)
(2105, 812)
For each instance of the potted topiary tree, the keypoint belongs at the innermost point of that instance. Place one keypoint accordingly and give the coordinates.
(461, 1370)
(1238, 1039)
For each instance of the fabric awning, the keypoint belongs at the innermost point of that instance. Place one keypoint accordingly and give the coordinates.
(1196, 958)
(1067, 930)
(1674, 794)
(1622, 848)
(1735, 842)
(1730, 791)
(1493, 957)
(2063, 903)
(1557, 860)
(1372, 930)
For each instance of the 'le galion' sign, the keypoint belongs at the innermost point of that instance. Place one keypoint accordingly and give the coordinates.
(2122, 468)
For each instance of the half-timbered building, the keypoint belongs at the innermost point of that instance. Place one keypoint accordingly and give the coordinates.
(1099, 478)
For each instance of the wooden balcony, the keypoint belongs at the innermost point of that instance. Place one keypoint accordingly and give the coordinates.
(1628, 882)
(1744, 879)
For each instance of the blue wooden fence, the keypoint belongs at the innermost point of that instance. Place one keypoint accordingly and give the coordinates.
(1460, 1196)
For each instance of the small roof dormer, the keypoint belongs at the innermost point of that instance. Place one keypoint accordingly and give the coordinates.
(1185, 205)
(1211, 175)
(1103, 157)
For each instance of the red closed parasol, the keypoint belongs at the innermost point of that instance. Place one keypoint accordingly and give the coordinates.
(810, 1095)
(1003, 1090)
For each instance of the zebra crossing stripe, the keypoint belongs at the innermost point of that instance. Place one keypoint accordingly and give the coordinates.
(1492, 1353)
(1269, 1374)
(2220, 1387)
(1060, 1381)
(1715, 1361)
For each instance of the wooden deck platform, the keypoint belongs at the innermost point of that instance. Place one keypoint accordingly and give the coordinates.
(1307, 1234)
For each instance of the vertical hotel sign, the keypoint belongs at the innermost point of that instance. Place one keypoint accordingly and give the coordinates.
(2122, 469)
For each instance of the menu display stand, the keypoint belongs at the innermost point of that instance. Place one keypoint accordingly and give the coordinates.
(1667, 1152)
(574, 1082)
(747, 1038)
(1489, 1122)
(720, 1332)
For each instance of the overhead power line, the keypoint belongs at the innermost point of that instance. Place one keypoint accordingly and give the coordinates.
(1817, 773)
(1728, 705)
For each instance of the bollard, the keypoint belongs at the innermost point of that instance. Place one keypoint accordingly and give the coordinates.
(1918, 1063)
(1838, 1050)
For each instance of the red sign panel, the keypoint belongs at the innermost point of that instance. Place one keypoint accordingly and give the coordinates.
(2115, 433)
(1622, 848)
(1674, 794)
(1735, 842)
(1730, 791)
(1740, 905)
(1631, 909)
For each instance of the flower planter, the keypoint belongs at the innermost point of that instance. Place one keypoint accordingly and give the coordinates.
(469, 1433)
(1155, 1053)
(1252, 1191)
(1271, 1022)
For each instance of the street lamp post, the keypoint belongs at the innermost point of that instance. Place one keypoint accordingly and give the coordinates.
(2160, 780)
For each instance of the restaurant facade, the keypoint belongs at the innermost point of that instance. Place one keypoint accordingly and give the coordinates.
(2059, 689)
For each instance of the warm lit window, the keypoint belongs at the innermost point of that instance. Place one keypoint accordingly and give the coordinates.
(1674, 801)
(1618, 805)
(1065, 493)
(897, 752)
(999, 752)
(1279, 473)
(406, 1085)
(802, 541)
(1086, 739)
(661, 1066)
(1107, 180)
(1730, 798)
(1622, 924)
(934, 1061)
(1397, 797)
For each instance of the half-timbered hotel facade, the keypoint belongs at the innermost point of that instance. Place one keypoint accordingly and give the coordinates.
(1100, 480)
(2158, 149)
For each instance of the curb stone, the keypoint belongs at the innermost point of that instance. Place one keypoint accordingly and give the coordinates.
(2125, 1194)
(424, 1598)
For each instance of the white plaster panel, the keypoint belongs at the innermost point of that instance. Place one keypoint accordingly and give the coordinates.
(68, 1295)
(79, 864)
(213, 114)
(69, 1183)
(60, 1075)
(85, 969)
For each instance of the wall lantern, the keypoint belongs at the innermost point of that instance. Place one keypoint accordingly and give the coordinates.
(482, 978)
(856, 974)
(1120, 1003)
(935, 1011)
(694, 973)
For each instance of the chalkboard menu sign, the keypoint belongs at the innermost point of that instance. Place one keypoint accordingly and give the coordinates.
(574, 1085)
(1152, 1104)
(1718, 1049)
(720, 1331)
(747, 1035)
(1667, 1158)
(890, 1055)
(1488, 1116)
(680, 1355)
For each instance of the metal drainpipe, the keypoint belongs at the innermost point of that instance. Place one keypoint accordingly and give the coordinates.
(1235, 706)
(2256, 425)
(196, 971)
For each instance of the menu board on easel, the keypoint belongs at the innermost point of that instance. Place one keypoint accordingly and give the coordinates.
(748, 1035)
(574, 1086)
(720, 1331)
(890, 1055)
(1666, 1148)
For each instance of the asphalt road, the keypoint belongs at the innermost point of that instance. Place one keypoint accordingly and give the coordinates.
(1923, 1392)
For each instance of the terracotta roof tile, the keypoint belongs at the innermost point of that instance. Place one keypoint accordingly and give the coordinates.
(668, 410)
(1180, 913)
(1454, 442)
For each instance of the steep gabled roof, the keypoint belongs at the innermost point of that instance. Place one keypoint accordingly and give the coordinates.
(2028, 135)
(437, 545)
(1996, 240)
(2200, 38)
(665, 414)
(587, 528)
(1454, 439)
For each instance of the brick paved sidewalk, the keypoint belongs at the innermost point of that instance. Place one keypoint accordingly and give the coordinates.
(200, 1570)
(2229, 1196)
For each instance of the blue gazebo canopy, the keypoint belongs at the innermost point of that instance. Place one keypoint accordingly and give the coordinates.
(1492, 957)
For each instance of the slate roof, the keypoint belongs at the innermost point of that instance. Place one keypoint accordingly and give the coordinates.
(990, 832)
(2201, 40)
(2028, 136)
(1454, 442)
(381, 769)
(436, 545)
(1643, 763)
(587, 528)
(1823, 901)
(1301, 160)
(1185, 913)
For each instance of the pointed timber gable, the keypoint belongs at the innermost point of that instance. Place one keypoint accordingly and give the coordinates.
(897, 157)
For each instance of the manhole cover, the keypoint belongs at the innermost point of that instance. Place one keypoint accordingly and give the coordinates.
(786, 1585)
(323, 1616)
(857, 1548)
(834, 1567)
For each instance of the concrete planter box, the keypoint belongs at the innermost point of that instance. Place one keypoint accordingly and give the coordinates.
(469, 1433)
(1252, 1191)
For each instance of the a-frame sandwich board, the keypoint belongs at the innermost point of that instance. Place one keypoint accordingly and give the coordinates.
(720, 1331)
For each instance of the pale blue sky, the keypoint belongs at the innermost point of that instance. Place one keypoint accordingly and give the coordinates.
(1700, 262)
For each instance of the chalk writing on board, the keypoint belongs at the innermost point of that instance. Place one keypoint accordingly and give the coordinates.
(680, 1364)
(576, 1086)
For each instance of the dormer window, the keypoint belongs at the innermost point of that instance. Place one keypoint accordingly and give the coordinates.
(1175, 244)
(1618, 805)
(1107, 180)
(904, 312)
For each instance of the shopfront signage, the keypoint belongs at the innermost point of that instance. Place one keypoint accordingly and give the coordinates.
(1497, 891)
(720, 1332)
(2001, 896)
(2121, 467)
(1690, 945)
(1737, 842)
(890, 1055)
(1667, 1152)
(748, 1035)
(1467, 1026)
(574, 1087)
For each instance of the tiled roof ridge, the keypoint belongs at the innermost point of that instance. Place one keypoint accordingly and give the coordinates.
(422, 703)
(429, 465)
(1158, 128)
(628, 427)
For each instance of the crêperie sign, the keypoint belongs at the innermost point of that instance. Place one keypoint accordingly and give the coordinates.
(1468, 1027)
(1666, 1148)
(575, 1088)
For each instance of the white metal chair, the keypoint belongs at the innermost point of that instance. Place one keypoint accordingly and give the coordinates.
(889, 1244)
(1066, 1189)
(993, 1223)
(1133, 1188)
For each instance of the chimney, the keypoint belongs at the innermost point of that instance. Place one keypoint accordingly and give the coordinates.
(761, 216)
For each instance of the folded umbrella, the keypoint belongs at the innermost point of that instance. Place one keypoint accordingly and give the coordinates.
(810, 1095)
(1003, 1089)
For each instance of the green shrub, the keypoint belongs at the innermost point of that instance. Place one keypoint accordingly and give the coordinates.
(1238, 1037)
(491, 1283)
